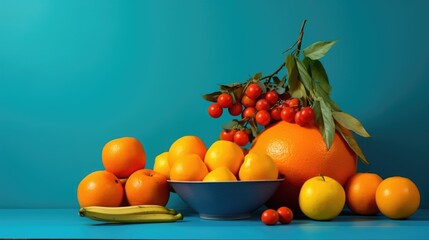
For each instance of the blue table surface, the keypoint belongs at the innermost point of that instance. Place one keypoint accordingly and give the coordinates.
(65, 223)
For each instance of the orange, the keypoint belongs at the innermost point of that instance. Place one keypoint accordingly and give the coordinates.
(300, 154)
(147, 187)
(220, 174)
(100, 188)
(184, 146)
(161, 164)
(360, 191)
(258, 166)
(188, 168)
(224, 153)
(123, 156)
(397, 197)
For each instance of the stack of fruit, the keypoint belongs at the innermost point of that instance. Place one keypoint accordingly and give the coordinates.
(125, 191)
(188, 159)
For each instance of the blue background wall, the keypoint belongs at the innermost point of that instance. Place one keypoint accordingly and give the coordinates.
(75, 74)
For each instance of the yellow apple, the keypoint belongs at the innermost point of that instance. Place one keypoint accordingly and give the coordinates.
(322, 198)
(258, 166)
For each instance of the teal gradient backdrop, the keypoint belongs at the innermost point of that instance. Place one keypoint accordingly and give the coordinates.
(76, 74)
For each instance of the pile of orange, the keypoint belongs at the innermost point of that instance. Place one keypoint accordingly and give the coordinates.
(124, 181)
(188, 159)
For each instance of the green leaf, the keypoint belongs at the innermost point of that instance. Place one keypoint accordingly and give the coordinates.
(212, 97)
(253, 127)
(229, 87)
(305, 77)
(319, 75)
(230, 125)
(328, 124)
(351, 141)
(257, 76)
(318, 49)
(276, 80)
(325, 96)
(296, 88)
(351, 123)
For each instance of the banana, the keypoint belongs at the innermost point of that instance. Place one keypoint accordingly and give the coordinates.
(129, 209)
(131, 214)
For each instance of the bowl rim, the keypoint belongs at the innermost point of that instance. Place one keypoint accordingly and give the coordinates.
(218, 182)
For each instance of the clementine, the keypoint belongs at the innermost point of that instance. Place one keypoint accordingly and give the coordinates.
(188, 168)
(100, 188)
(220, 174)
(224, 153)
(360, 193)
(397, 197)
(161, 164)
(123, 156)
(184, 146)
(147, 187)
(300, 154)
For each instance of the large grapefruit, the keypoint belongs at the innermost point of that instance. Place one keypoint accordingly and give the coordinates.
(300, 154)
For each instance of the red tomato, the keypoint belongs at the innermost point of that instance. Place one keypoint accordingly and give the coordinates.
(293, 102)
(253, 91)
(272, 97)
(270, 217)
(228, 135)
(288, 114)
(224, 100)
(263, 117)
(262, 104)
(298, 119)
(241, 138)
(247, 101)
(276, 114)
(285, 215)
(215, 110)
(307, 114)
(235, 109)
(249, 112)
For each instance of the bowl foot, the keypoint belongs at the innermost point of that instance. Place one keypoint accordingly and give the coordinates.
(225, 217)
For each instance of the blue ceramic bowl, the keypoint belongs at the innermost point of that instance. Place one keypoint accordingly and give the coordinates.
(225, 200)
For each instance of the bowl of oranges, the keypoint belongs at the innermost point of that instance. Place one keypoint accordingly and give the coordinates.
(223, 181)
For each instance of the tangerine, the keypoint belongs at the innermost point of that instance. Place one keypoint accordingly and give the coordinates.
(123, 156)
(188, 168)
(161, 164)
(300, 153)
(360, 193)
(220, 174)
(224, 153)
(397, 197)
(147, 187)
(100, 188)
(184, 146)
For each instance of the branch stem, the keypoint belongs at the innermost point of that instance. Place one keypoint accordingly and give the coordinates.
(297, 43)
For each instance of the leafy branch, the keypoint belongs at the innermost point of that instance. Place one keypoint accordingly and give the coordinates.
(306, 80)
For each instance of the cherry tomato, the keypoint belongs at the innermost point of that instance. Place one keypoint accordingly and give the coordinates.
(241, 138)
(263, 117)
(298, 119)
(235, 109)
(288, 114)
(253, 91)
(293, 102)
(276, 114)
(247, 101)
(270, 217)
(224, 100)
(249, 112)
(262, 104)
(272, 97)
(228, 135)
(307, 114)
(285, 215)
(215, 110)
